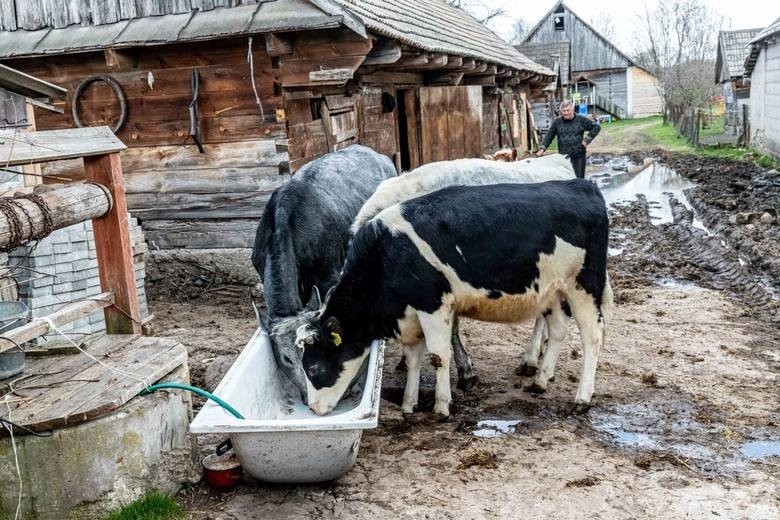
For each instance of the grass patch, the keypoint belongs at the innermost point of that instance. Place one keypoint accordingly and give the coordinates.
(152, 506)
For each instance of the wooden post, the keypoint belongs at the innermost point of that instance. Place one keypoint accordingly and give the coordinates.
(114, 249)
(35, 169)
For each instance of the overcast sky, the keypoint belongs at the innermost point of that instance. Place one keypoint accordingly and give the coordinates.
(737, 14)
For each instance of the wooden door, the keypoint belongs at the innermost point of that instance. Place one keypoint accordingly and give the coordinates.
(450, 123)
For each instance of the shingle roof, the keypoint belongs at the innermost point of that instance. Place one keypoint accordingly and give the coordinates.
(769, 31)
(755, 47)
(430, 25)
(734, 47)
(435, 26)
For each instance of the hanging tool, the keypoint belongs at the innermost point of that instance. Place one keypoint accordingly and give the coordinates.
(195, 132)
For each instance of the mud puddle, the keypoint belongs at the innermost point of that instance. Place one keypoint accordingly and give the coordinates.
(679, 433)
(619, 183)
(489, 428)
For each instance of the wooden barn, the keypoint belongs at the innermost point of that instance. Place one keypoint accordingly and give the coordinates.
(733, 50)
(218, 103)
(763, 68)
(590, 68)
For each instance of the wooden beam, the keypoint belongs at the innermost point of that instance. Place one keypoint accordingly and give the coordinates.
(34, 169)
(18, 148)
(413, 59)
(444, 78)
(66, 204)
(38, 327)
(479, 68)
(395, 78)
(453, 62)
(114, 247)
(486, 81)
(435, 61)
(384, 52)
(279, 44)
(469, 64)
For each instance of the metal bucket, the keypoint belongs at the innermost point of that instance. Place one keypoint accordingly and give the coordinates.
(12, 315)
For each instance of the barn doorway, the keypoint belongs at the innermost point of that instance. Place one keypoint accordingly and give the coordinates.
(408, 128)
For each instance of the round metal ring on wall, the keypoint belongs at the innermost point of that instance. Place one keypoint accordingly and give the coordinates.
(111, 82)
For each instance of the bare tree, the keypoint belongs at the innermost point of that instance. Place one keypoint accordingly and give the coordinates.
(603, 23)
(520, 29)
(676, 42)
(479, 9)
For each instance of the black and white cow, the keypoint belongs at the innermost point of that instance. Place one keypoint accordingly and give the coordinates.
(470, 172)
(504, 252)
(302, 238)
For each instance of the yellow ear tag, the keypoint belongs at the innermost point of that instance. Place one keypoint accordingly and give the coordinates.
(336, 338)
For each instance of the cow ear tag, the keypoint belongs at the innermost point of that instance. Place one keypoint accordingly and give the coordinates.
(336, 338)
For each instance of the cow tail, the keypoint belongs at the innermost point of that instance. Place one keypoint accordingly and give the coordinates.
(607, 303)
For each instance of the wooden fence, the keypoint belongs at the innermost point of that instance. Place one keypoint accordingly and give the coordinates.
(687, 122)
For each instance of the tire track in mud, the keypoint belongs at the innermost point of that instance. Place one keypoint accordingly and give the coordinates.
(719, 261)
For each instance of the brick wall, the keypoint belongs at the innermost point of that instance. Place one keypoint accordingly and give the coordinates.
(63, 268)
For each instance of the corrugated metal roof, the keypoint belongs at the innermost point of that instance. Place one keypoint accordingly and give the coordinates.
(734, 45)
(435, 26)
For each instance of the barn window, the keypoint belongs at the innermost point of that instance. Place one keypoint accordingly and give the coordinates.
(558, 18)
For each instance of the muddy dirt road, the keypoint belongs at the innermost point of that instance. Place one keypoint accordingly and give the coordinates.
(686, 417)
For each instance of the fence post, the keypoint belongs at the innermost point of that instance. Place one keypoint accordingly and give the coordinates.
(114, 248)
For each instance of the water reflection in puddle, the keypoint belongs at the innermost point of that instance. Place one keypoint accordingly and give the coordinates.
(761, 449)
(655, 182)
(490, 428)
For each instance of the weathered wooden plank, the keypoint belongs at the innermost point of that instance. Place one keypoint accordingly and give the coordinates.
(260, 155)
(66, 204)
(34, 147)
(150, 360)
(8, 15)
(295, 72)
(69, 313)
(216, 180)
(88, 389)
(114, 249)
(199, 205)
(413, 127)
(201, 234)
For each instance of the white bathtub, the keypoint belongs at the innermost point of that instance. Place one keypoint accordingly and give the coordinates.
(281, 440)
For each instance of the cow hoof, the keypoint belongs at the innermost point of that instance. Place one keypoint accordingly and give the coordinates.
(439, 417)
(580, 408)
(535, 388)
(467, 383)
(412, 418)
(401, 366)
(525, 370)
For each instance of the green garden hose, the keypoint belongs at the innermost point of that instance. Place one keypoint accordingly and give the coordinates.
(196, 390)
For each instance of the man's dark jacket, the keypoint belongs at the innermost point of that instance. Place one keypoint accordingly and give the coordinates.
(569, 134)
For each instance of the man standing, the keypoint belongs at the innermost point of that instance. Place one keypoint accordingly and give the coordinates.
(569, 129)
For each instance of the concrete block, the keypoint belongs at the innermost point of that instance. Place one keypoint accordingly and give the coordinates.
(83, 263)
(78, 236)
(81, 254)
(63, 261)
(62, 287)
(62, 248)
(43, 281)
(80, 284)
(80, 246)
(41, 260)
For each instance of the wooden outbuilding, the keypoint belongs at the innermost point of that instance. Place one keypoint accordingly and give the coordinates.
(733, 50)
(218, 103)
(620, 87)
(763, 68)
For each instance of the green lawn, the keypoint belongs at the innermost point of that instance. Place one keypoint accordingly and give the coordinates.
(664, 137)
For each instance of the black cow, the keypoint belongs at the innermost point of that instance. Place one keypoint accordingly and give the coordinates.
(504, 252)
(302, 238)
